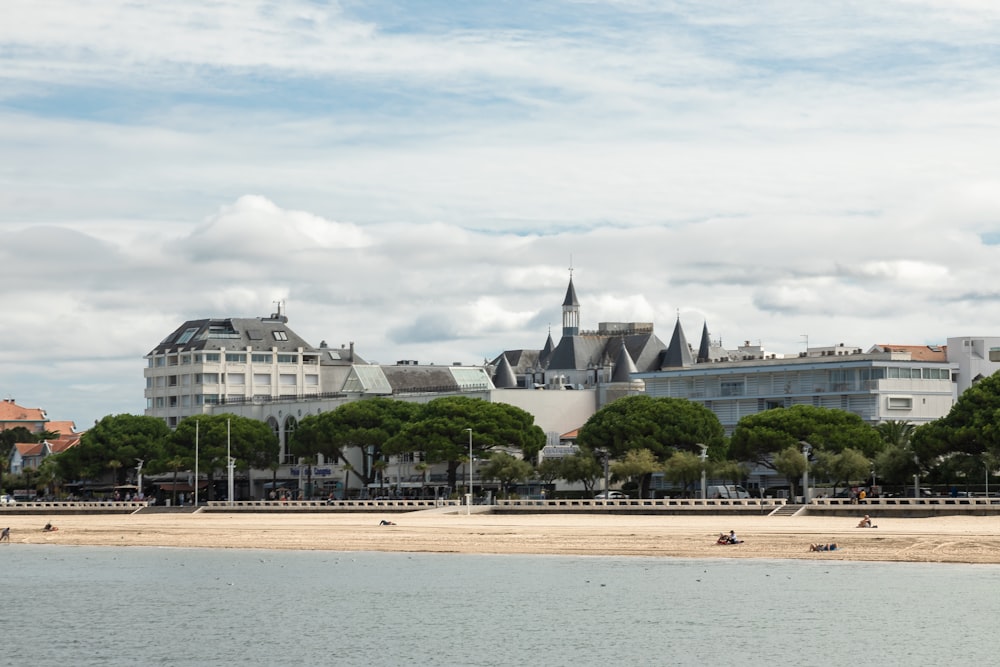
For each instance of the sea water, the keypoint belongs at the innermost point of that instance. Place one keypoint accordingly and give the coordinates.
(65, 605)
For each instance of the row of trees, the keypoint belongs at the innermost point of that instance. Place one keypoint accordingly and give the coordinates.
(637, 436)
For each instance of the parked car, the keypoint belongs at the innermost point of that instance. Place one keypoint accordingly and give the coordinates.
(611, 495)
(7, 500)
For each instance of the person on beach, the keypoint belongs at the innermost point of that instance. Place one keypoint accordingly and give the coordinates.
(866, 523)
(5, 535)
(383, 522)
(733, 539)
(832, 546)
(723, 539)
(49, 528)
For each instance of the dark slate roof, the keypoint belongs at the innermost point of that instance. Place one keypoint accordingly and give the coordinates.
(543, 356)
(624, 366)
(519, 360)
(678, 354)
(570, 299)
(504, 377)
(578, 352)
(233, 333)
(705, 349)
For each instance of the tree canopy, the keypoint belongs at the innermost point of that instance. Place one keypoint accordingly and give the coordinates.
(123, 438)
(759, 437)
(660, 425)
(440, 430)
(250, 442)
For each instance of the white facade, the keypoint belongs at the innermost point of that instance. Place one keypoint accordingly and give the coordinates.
(878, 387)
(976, 356)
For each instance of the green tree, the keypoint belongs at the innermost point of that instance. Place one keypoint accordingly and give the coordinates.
(791, 463)
(660, 425)
(683, 468)
(844, 467)
(364, 424)
(583, 467)
(971, 427)
(122, 438)
(549, 470)
(506, 469)
(639, 466)
(757, 438)
(440, 431)
(250, 442)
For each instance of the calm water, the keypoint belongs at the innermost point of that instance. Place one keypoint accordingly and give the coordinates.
(141, 606)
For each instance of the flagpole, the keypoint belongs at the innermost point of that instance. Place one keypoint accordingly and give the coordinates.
(196, 424)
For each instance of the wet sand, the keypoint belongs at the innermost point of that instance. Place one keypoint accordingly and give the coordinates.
(955, 539)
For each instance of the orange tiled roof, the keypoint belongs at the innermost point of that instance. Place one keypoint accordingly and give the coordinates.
(920, 352)
(12, 412)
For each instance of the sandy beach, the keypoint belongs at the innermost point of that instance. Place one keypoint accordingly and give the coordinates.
(954, 539)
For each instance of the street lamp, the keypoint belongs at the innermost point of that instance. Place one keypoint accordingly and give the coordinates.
(704, 455)
(468, 500)
(806, 448)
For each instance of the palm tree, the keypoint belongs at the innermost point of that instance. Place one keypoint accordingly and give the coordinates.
(896, 433)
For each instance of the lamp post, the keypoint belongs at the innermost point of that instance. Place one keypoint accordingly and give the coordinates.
(468, 498)
(138, 476)
(806, 448)
(704, 482)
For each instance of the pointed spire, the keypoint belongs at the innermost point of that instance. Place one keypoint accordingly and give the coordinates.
(704, 350)
(571, 310)
(543, 356)
(677, 354)
(504, 377)
(624, 366)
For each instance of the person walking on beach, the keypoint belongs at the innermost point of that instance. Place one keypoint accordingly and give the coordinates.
(5, 535)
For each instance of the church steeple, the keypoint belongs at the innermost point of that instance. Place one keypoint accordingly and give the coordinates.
(571, 310)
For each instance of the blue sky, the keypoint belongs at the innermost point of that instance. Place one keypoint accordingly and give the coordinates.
(415, 177)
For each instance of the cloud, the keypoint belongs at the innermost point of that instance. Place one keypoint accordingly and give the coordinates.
(420, 181)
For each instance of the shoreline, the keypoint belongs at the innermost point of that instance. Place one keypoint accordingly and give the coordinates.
(951, 539)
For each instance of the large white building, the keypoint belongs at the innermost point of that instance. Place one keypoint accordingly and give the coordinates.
(900, 383)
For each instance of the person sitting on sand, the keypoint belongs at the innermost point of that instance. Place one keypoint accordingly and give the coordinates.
(865, 523)
(723, 539)
(832, 546)
(49, 528)
(383, 522)
(732, 538)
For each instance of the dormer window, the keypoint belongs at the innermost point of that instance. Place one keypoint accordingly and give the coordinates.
(279, 335)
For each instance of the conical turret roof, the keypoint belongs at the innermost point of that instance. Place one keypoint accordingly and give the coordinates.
(677, 354)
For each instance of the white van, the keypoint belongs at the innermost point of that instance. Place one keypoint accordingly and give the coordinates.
(726, 491)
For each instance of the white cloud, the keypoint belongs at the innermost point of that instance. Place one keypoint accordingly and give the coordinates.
(420, 184)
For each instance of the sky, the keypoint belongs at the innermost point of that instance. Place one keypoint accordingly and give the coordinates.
(419, 177)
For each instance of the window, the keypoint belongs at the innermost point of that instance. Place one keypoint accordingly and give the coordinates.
(236, 378)
(185, 401)
(261, 358)
(185, 380)
(288, 358)
(260, 379)
(236, 358)
(211, 399)
(286, 379)
(207, 358)
(159, 402)
(899, 402)
(185, 359)
(312, 380)
(161, 361)
(172, 381)
(173, 401)
(279, 335)
(732, 388)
